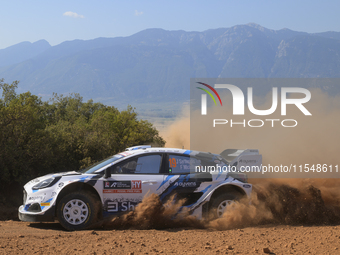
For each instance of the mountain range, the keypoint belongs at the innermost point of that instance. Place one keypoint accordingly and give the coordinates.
(155, 65)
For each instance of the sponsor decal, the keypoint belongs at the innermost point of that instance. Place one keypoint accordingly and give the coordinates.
(123, 199)
(121, 206)
(123, 186)
(186, 184)
(61, 184)
(45, 204)
(247, 186)
(36, 198)
(117, 185)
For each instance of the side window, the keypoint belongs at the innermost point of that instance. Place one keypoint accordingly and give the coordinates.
(139, 165)
(179, 164)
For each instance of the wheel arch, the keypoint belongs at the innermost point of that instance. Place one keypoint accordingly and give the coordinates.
(79, 187)
(225, 189)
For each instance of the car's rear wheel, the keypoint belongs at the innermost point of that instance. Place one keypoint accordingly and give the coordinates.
(77, 211)
(221, 203)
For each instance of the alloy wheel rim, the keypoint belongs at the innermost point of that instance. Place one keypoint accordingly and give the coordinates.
(75, 212)
(223, 206)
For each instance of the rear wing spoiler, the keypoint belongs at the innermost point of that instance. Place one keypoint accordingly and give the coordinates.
(243, 158)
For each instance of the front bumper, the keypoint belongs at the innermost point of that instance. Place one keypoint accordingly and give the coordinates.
(47, 216)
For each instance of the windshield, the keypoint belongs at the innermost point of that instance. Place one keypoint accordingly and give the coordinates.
(100, 164)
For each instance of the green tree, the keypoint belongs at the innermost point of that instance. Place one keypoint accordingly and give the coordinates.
(63, 134)
(87, 132)
(24, 144)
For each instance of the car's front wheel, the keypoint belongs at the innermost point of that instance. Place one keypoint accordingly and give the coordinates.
(77, 211)
(221, 203)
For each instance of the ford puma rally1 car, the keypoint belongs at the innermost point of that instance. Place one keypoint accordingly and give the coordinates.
(208, 183)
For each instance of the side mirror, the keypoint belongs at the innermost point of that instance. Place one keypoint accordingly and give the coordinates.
(107, 173)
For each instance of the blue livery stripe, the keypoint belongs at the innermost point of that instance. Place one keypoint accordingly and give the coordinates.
(165, 181)
(187, 152)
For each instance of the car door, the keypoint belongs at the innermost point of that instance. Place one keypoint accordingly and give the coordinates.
(181, 180)
(131, 180)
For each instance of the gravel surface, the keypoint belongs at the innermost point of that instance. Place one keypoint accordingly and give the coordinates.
(49, 238)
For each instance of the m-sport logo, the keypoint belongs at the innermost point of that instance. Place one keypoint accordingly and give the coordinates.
(239, 104)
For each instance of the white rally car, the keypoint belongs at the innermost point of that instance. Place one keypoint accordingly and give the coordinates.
(208, 182)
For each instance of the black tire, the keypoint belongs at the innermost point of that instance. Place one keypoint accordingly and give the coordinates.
(77, 211)
(222, 200)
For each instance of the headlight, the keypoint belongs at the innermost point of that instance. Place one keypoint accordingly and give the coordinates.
(46, 183)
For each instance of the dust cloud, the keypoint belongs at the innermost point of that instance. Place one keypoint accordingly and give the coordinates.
(177, 135)
(285, 201)
(151, 213)
(294, 201)
(272, 202)
(315, 140)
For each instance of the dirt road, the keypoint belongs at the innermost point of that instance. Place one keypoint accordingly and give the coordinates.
(49, 238)
(280, 219)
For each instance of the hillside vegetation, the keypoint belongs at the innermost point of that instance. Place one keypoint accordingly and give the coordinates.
(63, 134)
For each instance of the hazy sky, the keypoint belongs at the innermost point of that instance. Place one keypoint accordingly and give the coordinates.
(61, 20)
